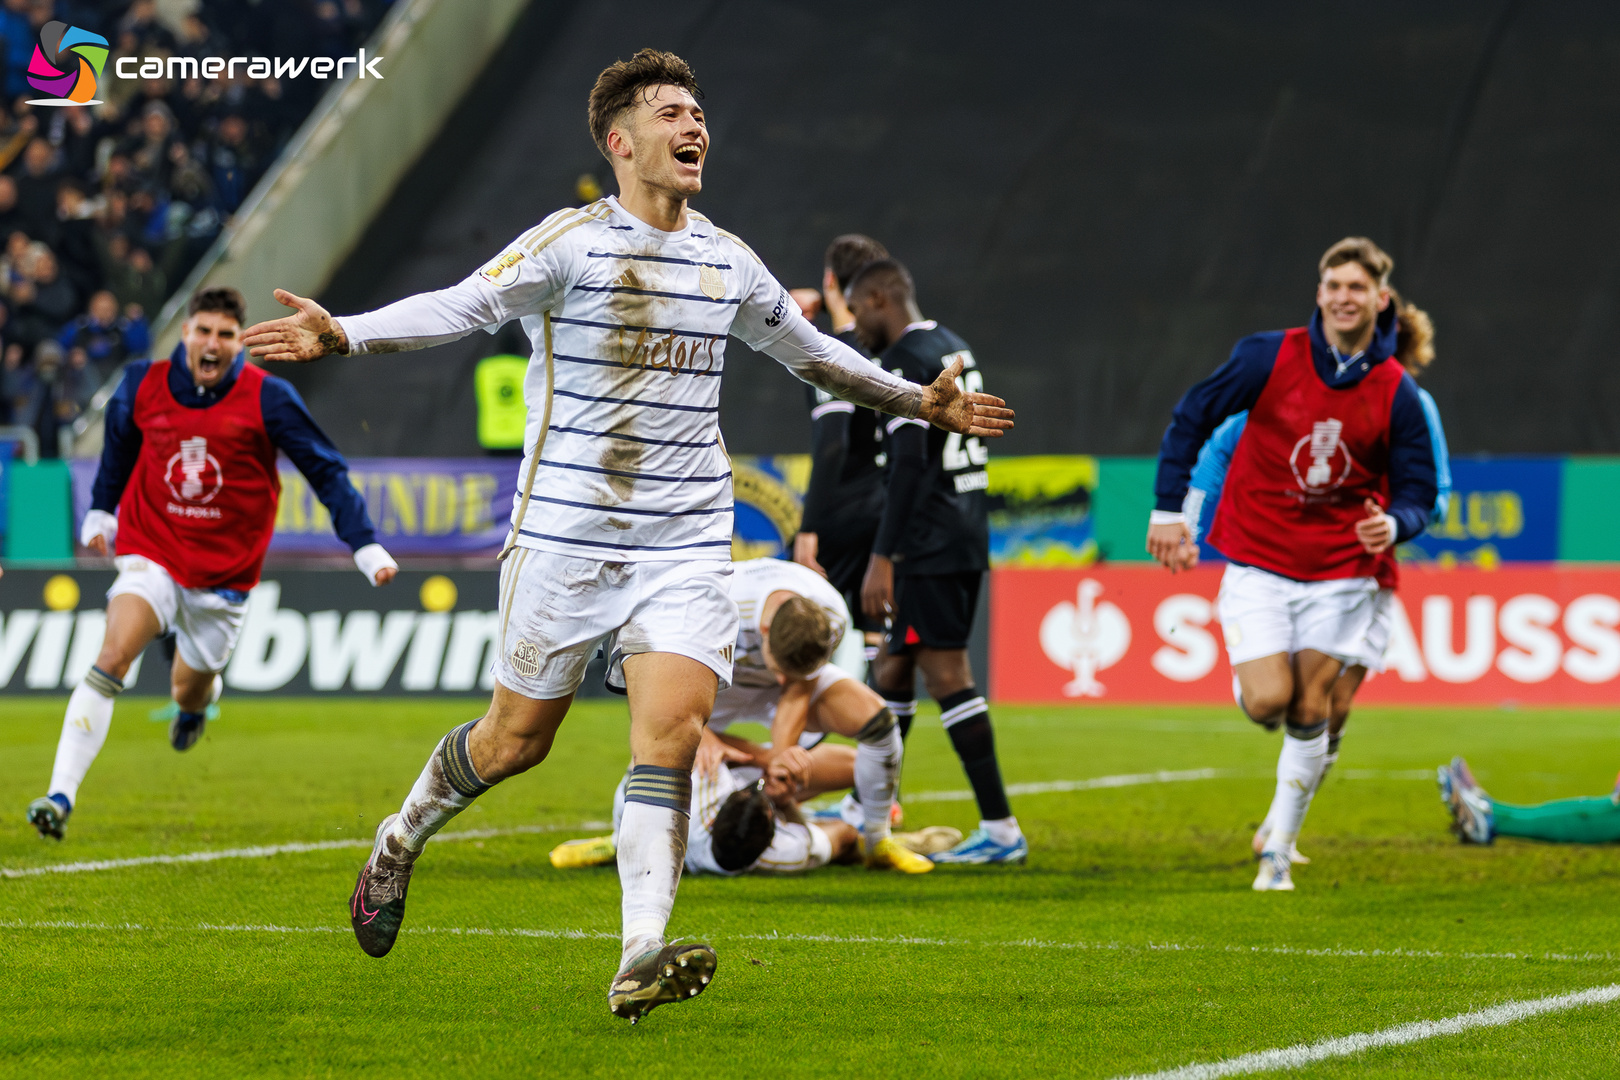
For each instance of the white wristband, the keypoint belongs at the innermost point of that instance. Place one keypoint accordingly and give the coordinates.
(98, 523)
(1167, 517)
(373, 558)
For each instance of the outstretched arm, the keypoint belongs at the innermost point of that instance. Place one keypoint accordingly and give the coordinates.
(521, 281)
(415, 322)
(844, 373)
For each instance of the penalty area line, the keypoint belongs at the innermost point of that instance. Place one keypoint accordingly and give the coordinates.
(1295, 1057)
(263, 851)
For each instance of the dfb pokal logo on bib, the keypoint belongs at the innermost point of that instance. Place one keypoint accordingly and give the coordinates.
(1323, 456)
(194, 475)
(1085, 637)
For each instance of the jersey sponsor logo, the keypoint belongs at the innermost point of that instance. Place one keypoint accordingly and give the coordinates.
(193, 476)
(1085, 637)
(525, 659)
(713, 283)
(964, 355)
(779, 312)
(1326, 459)
(500, 273)
(973, 481)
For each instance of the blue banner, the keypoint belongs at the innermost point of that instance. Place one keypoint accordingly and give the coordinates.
(1502, 510)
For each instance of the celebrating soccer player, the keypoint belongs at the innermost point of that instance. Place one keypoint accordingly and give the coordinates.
(931, 551)
(189, 467)
(621, 533)
(1414, 348)
(1334, 467)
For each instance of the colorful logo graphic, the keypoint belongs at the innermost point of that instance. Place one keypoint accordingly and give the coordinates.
(67, 62)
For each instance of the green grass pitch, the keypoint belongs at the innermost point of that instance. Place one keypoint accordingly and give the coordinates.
(1131, 942)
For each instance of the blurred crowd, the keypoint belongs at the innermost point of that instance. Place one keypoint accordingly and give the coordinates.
(104, 209)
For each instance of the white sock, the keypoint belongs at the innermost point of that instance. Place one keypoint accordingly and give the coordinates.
(652, 847)
(84, 732)
(877, 771)
(431, 803)
(1299, 767)
(850, 810)
(1004, 832)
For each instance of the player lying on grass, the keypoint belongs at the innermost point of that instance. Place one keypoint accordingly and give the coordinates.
(791, 621)
(189, 470)
(1477, 818)
(1334, 467)
(931, 551)
(746, 815)
(1414, 348)
(624, 541)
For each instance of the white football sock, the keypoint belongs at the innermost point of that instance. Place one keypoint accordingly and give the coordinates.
(877, 771)
(1299, 768)
(431, 803)
(84, 732)
(1004, 831)
(652, 847)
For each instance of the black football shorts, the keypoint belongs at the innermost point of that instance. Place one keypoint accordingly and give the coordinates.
(933, 610)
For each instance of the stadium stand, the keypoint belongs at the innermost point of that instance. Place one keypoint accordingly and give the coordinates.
(103, 211)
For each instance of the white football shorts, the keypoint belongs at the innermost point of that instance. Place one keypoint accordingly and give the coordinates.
(205, 622)
(1372, 658)
(556, 609)
(757, 704)
(1263, 614)
(795, 846)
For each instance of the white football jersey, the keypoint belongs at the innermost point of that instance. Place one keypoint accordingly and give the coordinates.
(754, 580)
(628, 326)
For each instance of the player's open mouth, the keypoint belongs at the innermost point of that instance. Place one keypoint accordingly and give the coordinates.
(689, 153)
(208, 365)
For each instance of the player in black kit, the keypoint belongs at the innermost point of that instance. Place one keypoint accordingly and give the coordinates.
(930, 553)
(847, 481)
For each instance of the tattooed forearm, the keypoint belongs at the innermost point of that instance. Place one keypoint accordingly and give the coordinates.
(333, 341)
(869, 385)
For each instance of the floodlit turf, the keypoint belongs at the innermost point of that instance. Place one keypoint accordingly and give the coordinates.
(1130, 943)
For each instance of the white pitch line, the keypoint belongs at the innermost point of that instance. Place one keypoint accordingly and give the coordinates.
(1051, 786)
(843, 939)
(264, 851)
(1294, 1057)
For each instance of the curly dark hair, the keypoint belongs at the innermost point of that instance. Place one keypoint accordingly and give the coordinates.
(220, 298)
(622, 81)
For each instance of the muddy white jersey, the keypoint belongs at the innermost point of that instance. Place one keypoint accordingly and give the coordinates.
(630, 323)
(754, 580)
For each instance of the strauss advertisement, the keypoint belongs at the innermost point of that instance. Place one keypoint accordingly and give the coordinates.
(1538, 636)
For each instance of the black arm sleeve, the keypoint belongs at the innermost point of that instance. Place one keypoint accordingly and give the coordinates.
(908, 461)
(829, 446)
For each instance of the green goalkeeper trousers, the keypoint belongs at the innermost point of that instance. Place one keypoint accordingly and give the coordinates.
(1563, 821)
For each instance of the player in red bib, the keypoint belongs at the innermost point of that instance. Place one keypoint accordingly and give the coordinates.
(189, 467)
(1334, 468)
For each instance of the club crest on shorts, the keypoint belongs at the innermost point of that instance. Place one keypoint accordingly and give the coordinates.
(711, 282)
(525, 659)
